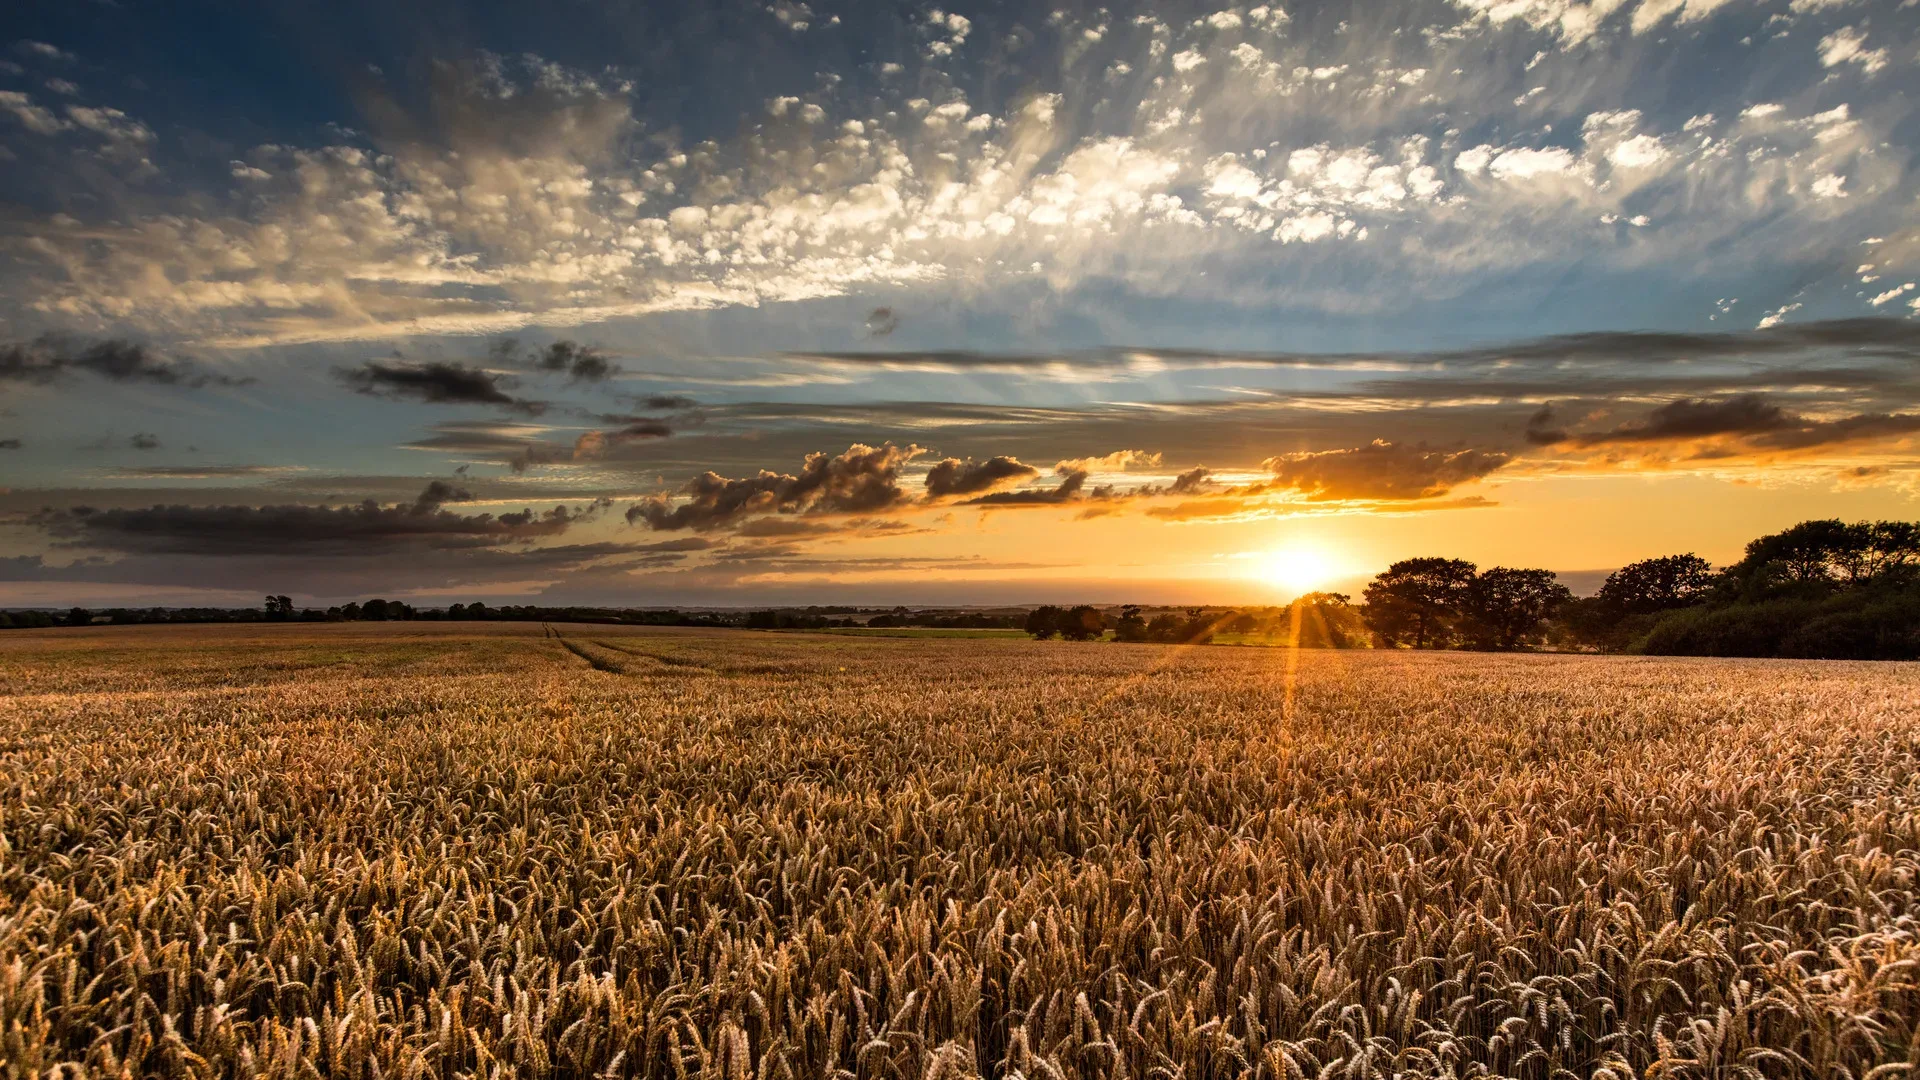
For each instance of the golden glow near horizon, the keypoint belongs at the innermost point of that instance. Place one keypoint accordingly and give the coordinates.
(1297, 568)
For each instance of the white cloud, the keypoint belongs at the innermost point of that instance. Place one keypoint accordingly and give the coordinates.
(796, 17)
(541, 205)
(1269, 17)
(950, 31)
(1525, 164)
(1307, 228)
(1849, 44)
(1573, 21)
(34, 118)
(1639, 152)
(1892, 294)
(1474, 160)
(110, 124)
(1652, 13)
(1776, 316)
(45, 51)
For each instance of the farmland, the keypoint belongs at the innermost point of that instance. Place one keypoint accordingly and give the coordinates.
(406, 850)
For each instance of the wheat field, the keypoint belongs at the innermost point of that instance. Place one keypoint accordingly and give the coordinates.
(499, 850)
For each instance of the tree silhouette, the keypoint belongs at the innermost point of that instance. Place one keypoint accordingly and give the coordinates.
(1044, 622)
(1083, 623)
(1417, 600)
(1828, 552)
(1505, 606)
(1655, 585)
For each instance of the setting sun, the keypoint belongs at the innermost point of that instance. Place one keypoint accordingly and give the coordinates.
(1296, 570)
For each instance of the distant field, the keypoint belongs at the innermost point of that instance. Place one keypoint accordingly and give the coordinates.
(917, 632)
(404, 850)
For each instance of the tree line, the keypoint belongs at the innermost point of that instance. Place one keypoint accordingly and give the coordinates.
(1820, 589)
(1824, 588)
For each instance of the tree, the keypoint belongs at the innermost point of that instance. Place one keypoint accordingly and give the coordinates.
(1166, 626)
(1131, 626)
(376, 610)
(1504, 606)
(1810, 552)
(1417, 600)
(1083, 623)
(1655, 585)
(79, 617)
(279, 608)
(1323, 620)
(1044, 622)
(1892, 549)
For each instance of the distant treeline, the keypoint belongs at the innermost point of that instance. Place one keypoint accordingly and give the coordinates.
(276, 609)
(1821, 589)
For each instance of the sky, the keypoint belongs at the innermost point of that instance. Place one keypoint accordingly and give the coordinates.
(742, 303)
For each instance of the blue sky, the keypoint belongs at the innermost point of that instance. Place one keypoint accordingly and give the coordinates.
(253, 258)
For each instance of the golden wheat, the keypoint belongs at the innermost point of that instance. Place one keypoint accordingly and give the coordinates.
(503, 850)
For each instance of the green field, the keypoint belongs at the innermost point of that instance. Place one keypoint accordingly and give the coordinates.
(402, 850)
(920, 632)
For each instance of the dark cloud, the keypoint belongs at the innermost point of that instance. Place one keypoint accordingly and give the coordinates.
(632, 429)
(437, 493)
(506, 444)
(1191, 481)
(1543, 429)
(1884, 339)
(882, 321)
(49, 357)
(679, 544)
(9, 444)
(144, 440)
(1745, 423)
(955, 476)
(782, 528)
(1381, 470)
(663, 402)
(636, 427)
(435, 383)
(366, 529)
(1804, 434)
(199, 472)
(861, 480)
(581, 363)
(387, 571)
(1693, 418)
(1069, 488)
